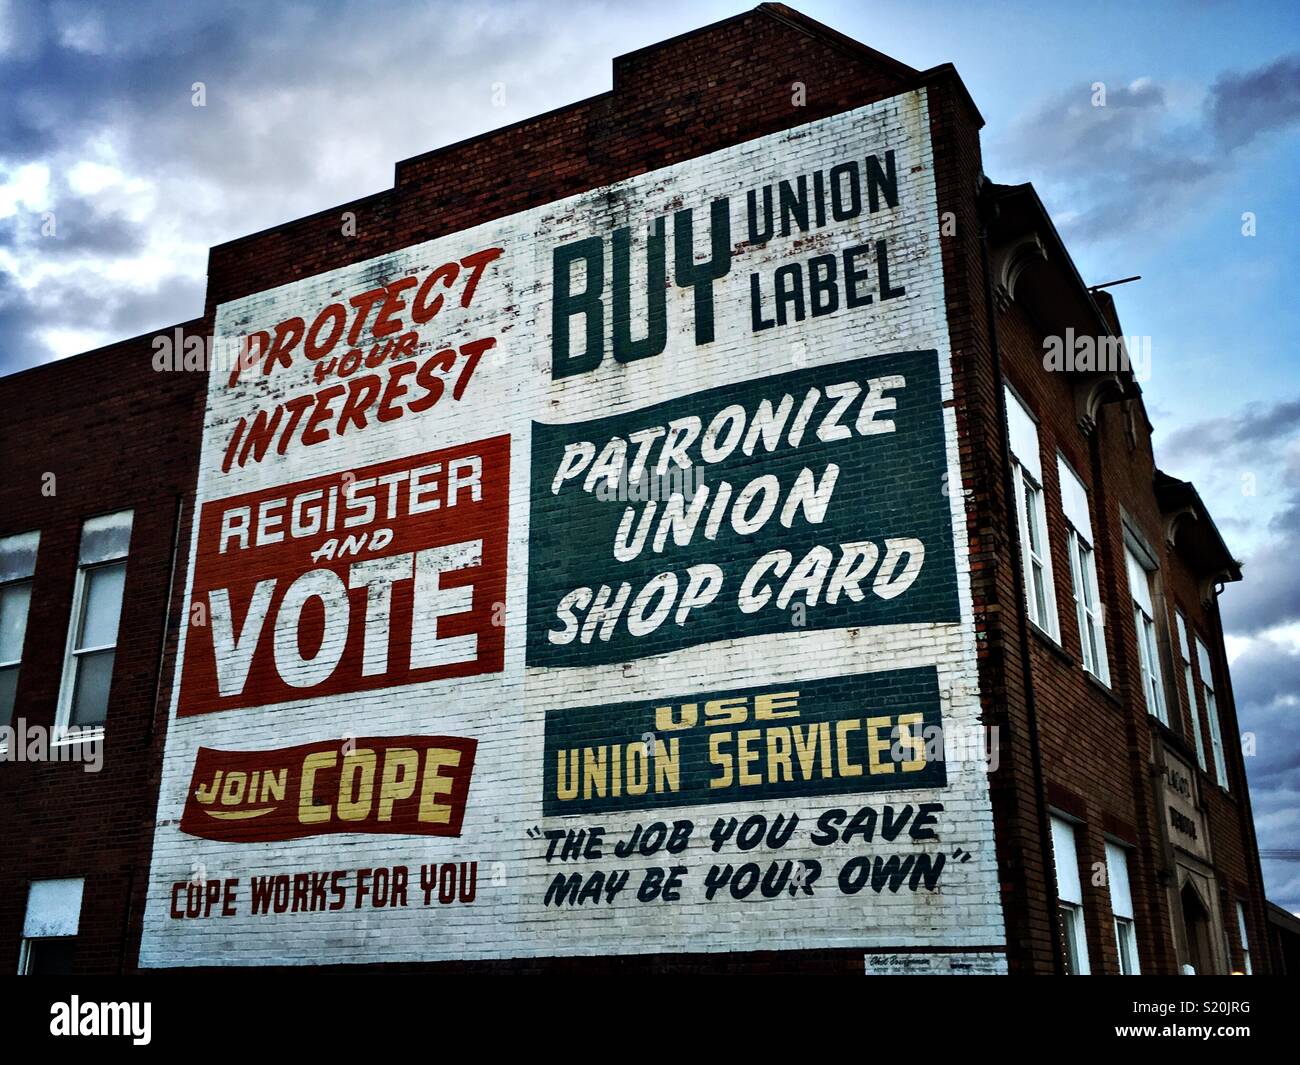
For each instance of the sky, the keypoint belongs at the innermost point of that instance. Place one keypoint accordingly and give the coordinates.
(113, 186)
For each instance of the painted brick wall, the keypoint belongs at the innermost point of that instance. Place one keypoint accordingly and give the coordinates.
(501, 707)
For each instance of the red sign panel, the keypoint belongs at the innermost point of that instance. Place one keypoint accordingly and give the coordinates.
(367, 578)
(414, 785)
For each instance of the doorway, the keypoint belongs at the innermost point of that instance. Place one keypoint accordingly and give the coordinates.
(1196, 924)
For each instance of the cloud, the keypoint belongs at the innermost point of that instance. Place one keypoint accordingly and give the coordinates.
(1269, 594)
(1249, 461)
(1253, 425)
(20, 322)
(1266, 686)
(1138, 160)
(81, 228)
(136, 312)
(1243, 106)
(98, 100)
(1258, 446)
(1266, 679)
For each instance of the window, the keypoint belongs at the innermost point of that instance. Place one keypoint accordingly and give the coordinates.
(1083, 573)
(1185, 653)
(1144, 619)
(1245, 940)
(96, 610)
(50, 926)
(47, 956)
(17, 564)
(1212, 713)
(1121, 906)
(1027, 477)
(1069, 898)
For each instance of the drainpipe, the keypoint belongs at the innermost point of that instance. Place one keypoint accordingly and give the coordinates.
(177, 519)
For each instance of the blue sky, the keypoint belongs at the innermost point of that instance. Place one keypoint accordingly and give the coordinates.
(310, 104)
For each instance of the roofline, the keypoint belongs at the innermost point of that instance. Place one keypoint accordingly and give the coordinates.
(686, 35)
(495, 131)
(999, 191)
(1282, 916)
(908, 76)
(947, 70)
(1204, 514)
(778, 12)
(332, 209)
(810, 26)
(1027, 189)
(64, 360)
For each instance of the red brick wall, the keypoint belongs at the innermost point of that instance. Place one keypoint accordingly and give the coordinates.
(1097, 744)
(115, 434)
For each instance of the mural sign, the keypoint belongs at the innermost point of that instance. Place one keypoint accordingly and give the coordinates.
(592, 581)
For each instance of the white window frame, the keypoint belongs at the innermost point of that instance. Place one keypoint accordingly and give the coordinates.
(17, 573)
(1121, 905)
(53, 912)
(1245, 939)
(1126, 946)
(65, 732)
(1089, 609)
(1031, 516)
(1037, 564)
(1069, 896)
(1189, 682)
(1075, 930)
(1148, 635)
(1212, 714)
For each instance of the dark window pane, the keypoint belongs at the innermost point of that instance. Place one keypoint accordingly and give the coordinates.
(1031, 518)
(1069, 944)
(1090, 635)
(14, 601)
(50, 957)
(90, 699)
(8, 682)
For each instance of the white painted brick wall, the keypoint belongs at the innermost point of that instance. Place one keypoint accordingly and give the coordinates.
(505, 711)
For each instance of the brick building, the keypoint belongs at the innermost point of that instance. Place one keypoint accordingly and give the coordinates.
(1065, 597)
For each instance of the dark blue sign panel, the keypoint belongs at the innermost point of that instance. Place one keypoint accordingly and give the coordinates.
(834, 736)
(808, 500)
